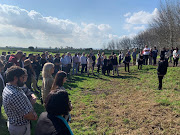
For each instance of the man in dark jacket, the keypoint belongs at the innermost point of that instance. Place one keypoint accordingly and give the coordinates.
(162, 70)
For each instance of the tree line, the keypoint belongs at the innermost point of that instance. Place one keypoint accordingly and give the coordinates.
(163, 30)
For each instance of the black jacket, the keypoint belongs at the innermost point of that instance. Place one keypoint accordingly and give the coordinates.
(162, 67)
(114, 61)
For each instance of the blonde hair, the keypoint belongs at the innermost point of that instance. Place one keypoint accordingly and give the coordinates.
(46, 71)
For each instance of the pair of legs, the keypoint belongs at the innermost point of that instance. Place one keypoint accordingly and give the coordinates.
(150, 60)
(108, 72)
(75, 66)
(68, 68)
(98, 68)
(127, 65)
(90, 67)
(140, 66)
(134, 61)
(154, 60)
(115, 68)
(84, 66)
(146, 59)
(176, 62)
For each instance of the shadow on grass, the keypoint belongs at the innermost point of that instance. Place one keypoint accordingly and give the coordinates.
(124, 77)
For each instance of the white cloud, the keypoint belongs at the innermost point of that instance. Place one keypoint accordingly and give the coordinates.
(139, 20)
(141, 17)
(142, 27)
(127, 14)
(19, 26)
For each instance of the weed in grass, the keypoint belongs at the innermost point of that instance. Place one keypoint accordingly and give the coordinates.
(164, 102)
(126, 121)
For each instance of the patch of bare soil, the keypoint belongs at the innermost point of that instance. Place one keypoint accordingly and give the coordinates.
(135, 112)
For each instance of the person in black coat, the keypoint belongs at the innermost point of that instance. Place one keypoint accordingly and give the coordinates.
(104, 67)
(109, 65)
(2, 84)
(162, 70)
(53, 121)
(126, 61)
(140, 61)
(115, 64)
(94, 60)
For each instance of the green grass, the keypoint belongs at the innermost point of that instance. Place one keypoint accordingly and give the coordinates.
(114, 105)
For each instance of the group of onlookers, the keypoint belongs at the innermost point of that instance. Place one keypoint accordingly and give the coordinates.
(151, 55)
(19, 75)
(18, 99)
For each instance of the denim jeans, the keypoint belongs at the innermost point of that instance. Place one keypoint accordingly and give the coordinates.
(75, 66)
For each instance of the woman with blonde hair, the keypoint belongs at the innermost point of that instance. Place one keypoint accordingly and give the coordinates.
(47, 71)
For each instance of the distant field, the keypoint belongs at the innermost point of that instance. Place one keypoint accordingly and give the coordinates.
(129, 104)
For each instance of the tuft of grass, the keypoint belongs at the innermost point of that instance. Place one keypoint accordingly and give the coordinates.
(126, 121)
(164, 102)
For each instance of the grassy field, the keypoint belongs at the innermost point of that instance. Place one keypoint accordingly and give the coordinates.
(128, 104)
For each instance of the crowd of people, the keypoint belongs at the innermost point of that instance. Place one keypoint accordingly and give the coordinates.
(20, 75)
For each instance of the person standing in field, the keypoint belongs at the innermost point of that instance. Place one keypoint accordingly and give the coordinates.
(75, 63)
(69, 62)
(120, 57)
(134, 56)
(154, 55)
(150, 57)
(89, 64)
(99, 62)
(146, 52)
(140, 61)
(109, 65)
(162, 70)
(115, 64)
(126, 61)
(57, 63)
(104, 66)
(171, 56)
(79, 61)
(16, 104)
(176, 54)
(94, 60)
(83, 63)
(63, 63)
(47, 81)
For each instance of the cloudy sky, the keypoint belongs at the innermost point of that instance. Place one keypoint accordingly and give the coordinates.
(76, 23)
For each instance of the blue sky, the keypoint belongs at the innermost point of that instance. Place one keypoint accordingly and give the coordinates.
(77, 23)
